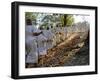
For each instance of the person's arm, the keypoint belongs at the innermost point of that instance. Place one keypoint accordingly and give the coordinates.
(36, 34)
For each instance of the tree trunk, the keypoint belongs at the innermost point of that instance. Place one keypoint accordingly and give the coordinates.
(65, 19)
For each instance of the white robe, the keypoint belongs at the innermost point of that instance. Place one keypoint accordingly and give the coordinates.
(41, 41)
(50, 36)
(31, 44)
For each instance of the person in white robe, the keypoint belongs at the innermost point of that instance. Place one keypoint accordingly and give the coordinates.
(30, 43)
(35, 43)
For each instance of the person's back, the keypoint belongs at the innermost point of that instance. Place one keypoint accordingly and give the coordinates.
(30, 44)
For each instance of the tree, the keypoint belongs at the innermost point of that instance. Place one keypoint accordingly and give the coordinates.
(31, 16)
(50, 20)
(67, 20)
(47, 20)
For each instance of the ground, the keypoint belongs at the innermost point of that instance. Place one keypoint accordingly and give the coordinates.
(80, 58)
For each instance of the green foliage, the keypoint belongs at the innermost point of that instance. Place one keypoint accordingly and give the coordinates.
(67, 20)
(30, 15)
(70, 20)
(50, 19)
